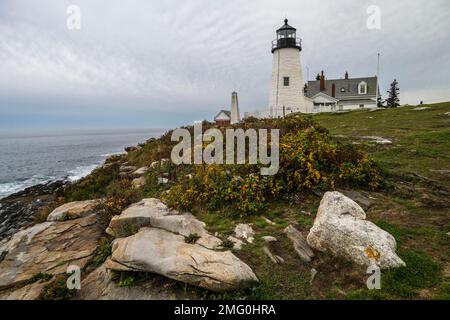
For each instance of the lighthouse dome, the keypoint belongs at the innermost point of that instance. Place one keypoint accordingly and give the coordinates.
(286, 26)
(286, 38)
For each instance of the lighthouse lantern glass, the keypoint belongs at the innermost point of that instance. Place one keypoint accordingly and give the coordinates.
(286, 34)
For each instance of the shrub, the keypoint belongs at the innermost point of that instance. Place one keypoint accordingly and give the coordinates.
(127, 282)
(57, 290)
(104, 251)
(94, 185)
(308, 159)
(120, 195)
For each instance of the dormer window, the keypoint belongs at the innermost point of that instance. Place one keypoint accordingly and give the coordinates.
(362, 88)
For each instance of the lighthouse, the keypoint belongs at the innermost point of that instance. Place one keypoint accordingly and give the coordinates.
(286, 94)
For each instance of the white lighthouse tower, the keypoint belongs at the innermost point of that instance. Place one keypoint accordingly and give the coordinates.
(287, 95)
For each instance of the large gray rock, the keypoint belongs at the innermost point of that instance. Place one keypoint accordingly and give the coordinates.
(166, 253)
(50, 248)
(341, 228)
(154, 213)
(73, 210)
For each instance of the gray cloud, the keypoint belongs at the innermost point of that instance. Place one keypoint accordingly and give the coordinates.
(166, 63)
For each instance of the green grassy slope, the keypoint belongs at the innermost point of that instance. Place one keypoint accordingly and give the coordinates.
(421, 139)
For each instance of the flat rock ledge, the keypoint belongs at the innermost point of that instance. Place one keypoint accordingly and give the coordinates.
(341, 228)
(166, 253)
(49, 247)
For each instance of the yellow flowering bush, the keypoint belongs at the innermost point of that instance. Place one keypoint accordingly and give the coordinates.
(309, 159)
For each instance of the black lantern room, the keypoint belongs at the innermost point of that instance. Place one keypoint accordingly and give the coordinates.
(286, 38)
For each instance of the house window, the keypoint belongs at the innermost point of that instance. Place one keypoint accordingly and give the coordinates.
(286, 81)
(361, 106)
(362, 88)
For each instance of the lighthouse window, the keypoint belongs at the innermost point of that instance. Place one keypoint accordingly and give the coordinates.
(286, 81)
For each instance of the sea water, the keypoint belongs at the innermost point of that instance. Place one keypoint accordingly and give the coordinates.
(30, 157)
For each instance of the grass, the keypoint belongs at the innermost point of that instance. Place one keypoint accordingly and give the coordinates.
(420, 272)
(433, 235)
(421, 139)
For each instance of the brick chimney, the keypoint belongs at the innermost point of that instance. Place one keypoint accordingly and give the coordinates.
(333, 90)
(346, 75)
(322, 82)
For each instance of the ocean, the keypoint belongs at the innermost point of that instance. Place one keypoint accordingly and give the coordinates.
(30, 157)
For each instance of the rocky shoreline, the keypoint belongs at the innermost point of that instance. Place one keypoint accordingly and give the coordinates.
(148, 237)
(18, 209)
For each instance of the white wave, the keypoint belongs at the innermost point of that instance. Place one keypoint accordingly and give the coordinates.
(106, 155)
(74, 175)
(9, 188)
(81, 172)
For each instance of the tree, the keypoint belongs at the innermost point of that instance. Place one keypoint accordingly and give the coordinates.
(380, 102)
(318, 77)
(393, 100)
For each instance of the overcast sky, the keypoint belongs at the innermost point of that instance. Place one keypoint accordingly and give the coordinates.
(139, 63)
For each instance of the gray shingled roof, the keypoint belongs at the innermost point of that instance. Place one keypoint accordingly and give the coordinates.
(228, 113)
(350, 85)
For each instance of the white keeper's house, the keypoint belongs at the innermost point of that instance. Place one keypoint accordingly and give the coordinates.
(290, 94)
(329, 95)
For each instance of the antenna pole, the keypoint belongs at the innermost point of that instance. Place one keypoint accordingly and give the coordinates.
(378, 78)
